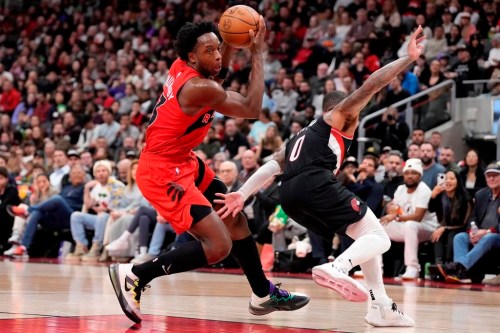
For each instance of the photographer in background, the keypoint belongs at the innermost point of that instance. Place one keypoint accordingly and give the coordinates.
(391, 132)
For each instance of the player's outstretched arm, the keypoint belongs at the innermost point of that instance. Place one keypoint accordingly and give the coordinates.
(235, 105)
(234, 202)
(354, 103)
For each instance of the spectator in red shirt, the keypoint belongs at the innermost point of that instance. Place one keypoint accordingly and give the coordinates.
(9, 98)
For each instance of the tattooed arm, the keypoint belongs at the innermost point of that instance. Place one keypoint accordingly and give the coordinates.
(345, 115)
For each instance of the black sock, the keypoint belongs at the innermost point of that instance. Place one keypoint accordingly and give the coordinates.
(186, 257)
(245, 252)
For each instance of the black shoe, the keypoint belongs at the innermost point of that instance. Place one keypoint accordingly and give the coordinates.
(453, 272)
(435, 273)
(279, 300)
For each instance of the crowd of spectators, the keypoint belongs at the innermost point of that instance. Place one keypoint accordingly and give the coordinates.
(79, 79)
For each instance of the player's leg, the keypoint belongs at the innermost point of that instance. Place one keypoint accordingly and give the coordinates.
(266, 297)
(212, 245)
(369, 234)
(329, 275)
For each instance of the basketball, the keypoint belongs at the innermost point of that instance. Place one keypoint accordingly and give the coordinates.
(235, 23)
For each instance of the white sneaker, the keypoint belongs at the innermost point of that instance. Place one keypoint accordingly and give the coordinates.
(15, 239)
(330, 276)
(10, 252)
(380, 315)
(142, 258)
(117, 245)
(411, 273)
(127, 289)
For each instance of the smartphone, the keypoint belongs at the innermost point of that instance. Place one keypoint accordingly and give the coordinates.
(441, 179)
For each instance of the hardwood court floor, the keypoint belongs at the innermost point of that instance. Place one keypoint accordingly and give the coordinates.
(42, 297)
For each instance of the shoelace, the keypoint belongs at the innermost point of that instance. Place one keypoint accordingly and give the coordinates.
(143, 289)
(395, 309)
(280, 292)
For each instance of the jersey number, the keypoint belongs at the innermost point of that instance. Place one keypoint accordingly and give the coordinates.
(160, 102)
(296, 149)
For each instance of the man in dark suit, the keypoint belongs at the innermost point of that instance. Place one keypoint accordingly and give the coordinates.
(486, 216)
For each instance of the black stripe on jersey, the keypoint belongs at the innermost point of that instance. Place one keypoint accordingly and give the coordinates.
(202, 121)
(201, 172)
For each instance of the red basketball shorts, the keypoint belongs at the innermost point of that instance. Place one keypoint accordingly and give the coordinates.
(162, 180)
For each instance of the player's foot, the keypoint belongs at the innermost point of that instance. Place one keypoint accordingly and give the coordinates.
(127, 289)
(330, 276)
(387, 315)
(278, 300)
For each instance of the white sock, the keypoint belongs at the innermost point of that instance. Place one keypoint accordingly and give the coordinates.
(143, 250)
(372, 273)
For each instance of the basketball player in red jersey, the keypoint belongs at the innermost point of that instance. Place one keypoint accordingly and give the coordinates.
(312, 196)
(181, 187)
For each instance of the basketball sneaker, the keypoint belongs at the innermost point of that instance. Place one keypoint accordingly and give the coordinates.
(278, 300)
(127, 289)
(387, 315)
(330, 276)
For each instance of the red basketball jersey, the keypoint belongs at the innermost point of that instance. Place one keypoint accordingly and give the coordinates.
(172, 133)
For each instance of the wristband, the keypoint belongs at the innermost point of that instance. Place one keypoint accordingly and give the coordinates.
(223, 73)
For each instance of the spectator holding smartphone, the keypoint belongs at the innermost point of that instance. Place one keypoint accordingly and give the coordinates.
(452, 205)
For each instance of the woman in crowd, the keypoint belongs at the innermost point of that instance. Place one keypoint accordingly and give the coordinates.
(452, 205)
(121, 220)
(42, 191)
(269, 144)
(472, 174)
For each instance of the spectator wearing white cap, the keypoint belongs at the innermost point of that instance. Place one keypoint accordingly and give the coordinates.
(100, 195)
(408, 219)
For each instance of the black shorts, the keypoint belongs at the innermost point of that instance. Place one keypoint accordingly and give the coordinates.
(316, 200)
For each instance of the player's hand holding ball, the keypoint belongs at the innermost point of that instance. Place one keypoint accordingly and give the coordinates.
(242, 27)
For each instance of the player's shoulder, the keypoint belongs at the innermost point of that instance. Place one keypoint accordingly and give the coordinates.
(201, 89)
(199, 82)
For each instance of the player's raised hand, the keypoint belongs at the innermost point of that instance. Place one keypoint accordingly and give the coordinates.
(258, 39)
(233, 203)
(415, 46)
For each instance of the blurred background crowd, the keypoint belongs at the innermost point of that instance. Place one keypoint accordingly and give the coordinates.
(80, 78)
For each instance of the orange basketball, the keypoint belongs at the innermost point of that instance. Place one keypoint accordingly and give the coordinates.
(235, 23)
